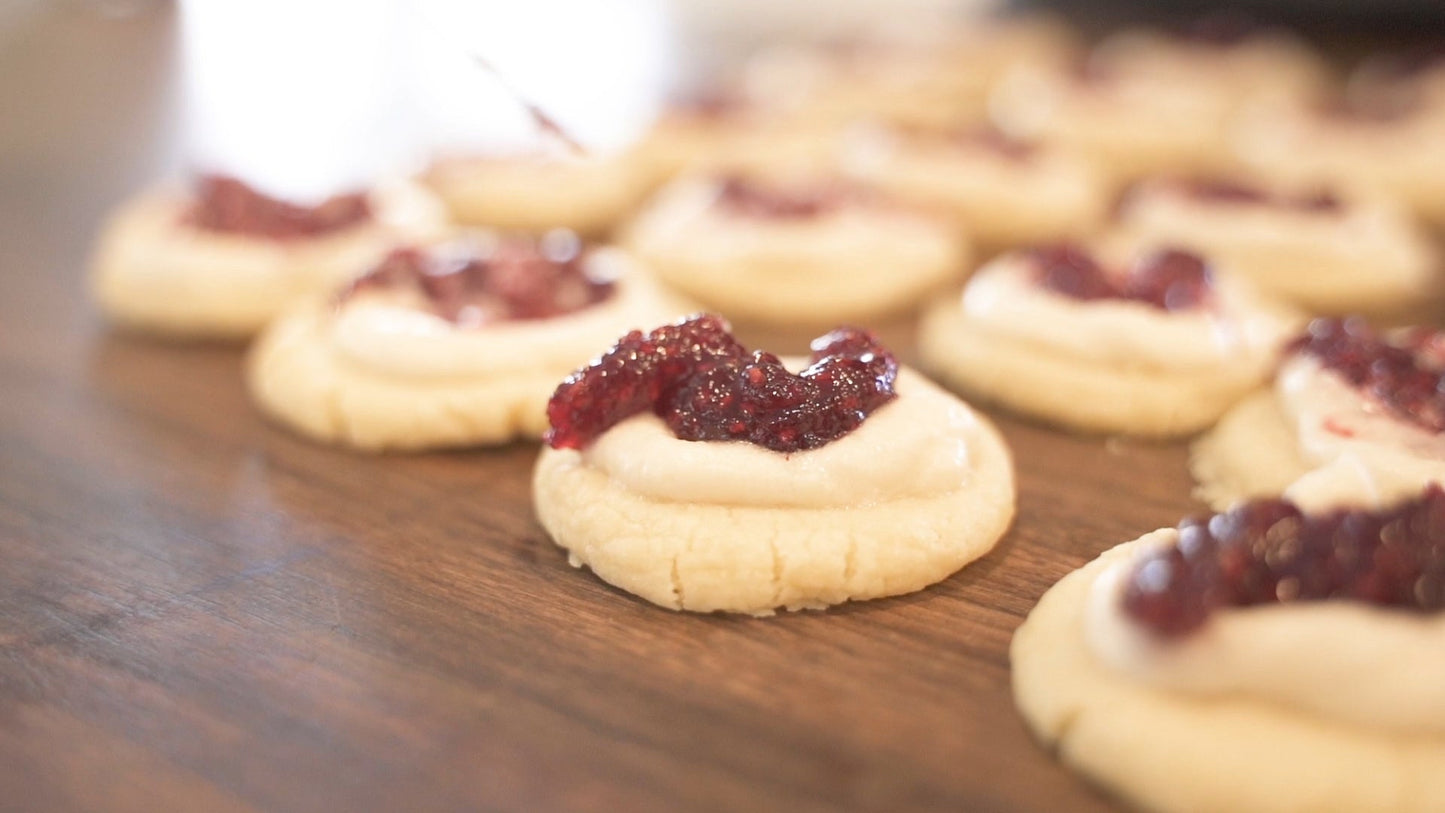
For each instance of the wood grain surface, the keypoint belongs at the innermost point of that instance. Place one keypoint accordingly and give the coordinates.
(199, 612)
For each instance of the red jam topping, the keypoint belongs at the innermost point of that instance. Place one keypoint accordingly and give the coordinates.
(1167, 279)
(1268, 551)
(226, 204)
(1219, 190)
(472, 283)
(706, 386)
(745, 197)
(1404, 375)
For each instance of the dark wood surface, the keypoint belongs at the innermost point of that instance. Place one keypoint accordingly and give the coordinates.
(200, 612)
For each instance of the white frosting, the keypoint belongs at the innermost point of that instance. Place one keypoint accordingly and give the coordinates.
(1368, 456)
(1345, 661)
(917, 445)
(1003, 298)
(1365, 245)
(391, 334)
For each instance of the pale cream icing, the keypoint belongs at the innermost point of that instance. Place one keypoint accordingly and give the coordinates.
(917, 445)
(392, 334)
(1346, 661)
(1003, 299)
(1367, 456)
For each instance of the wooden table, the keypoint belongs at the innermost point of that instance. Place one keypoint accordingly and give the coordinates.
(200, 612)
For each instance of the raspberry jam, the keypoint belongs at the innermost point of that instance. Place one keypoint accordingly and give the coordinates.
(1268, 552)
(1167, 279)
(472, 282)
(999, 143)
(706, 386)
(748, 198)
(1223, 191)
(226, 204)
(1403, 374)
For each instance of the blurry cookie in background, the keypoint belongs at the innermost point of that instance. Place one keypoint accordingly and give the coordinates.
(449, 344)
(1386, 143)
(587, 192)
(221, 258)
(1002, 192)
(800, 250)
(1353, 408)
(925, 71)
(1152, 343)
(1326, 252)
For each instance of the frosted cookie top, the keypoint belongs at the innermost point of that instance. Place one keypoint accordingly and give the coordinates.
(227, 205)
(706, 386)
(482, 279)
(1335, 612)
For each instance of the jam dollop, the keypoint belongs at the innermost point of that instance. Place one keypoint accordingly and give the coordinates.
(1228, 191)
(1268, 551)
(745, 197)
(706, 386)
(226, 204)
(1404, 374)
(1168, 279)
(473, 282)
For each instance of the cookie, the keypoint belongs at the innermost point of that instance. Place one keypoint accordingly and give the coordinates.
(1002, 192)
(452, 344)
(1277, 701)
(768, 506)
(588, 193)
(931, 73)
(1352, 407)
(1340, 140)
(1158, 348)
(1324, 251)
(222, 260)
(731, 133)
(794, 250)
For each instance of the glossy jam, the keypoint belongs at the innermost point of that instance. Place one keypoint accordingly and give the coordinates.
(1267, 552)
(706, 386)
(1167, 279)
(474, 283)
(225, 204)
(1403, 374)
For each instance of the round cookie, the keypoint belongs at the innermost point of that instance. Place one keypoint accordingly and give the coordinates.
(416, 356)
(588, 194)
(1322, 251)
(1341, 141)
(1113, 363)
(794, 250)
(1163, 749)
(158, 267)
(1129, 120)
(922, 487)
(733, 133)
(1338, 415)
(925, 73)
(1002, 192)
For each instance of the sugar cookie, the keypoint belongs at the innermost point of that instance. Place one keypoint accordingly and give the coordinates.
(1327, 252)
(1248, 662)
(537, 192)
(1002, 192)
(454, 344)
(1350, 405)
(1388, 146)
(1159, 348)
(224, 259)
(700, 477)
(794, 250)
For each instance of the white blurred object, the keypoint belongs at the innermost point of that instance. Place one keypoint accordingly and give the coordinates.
(304, 98)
